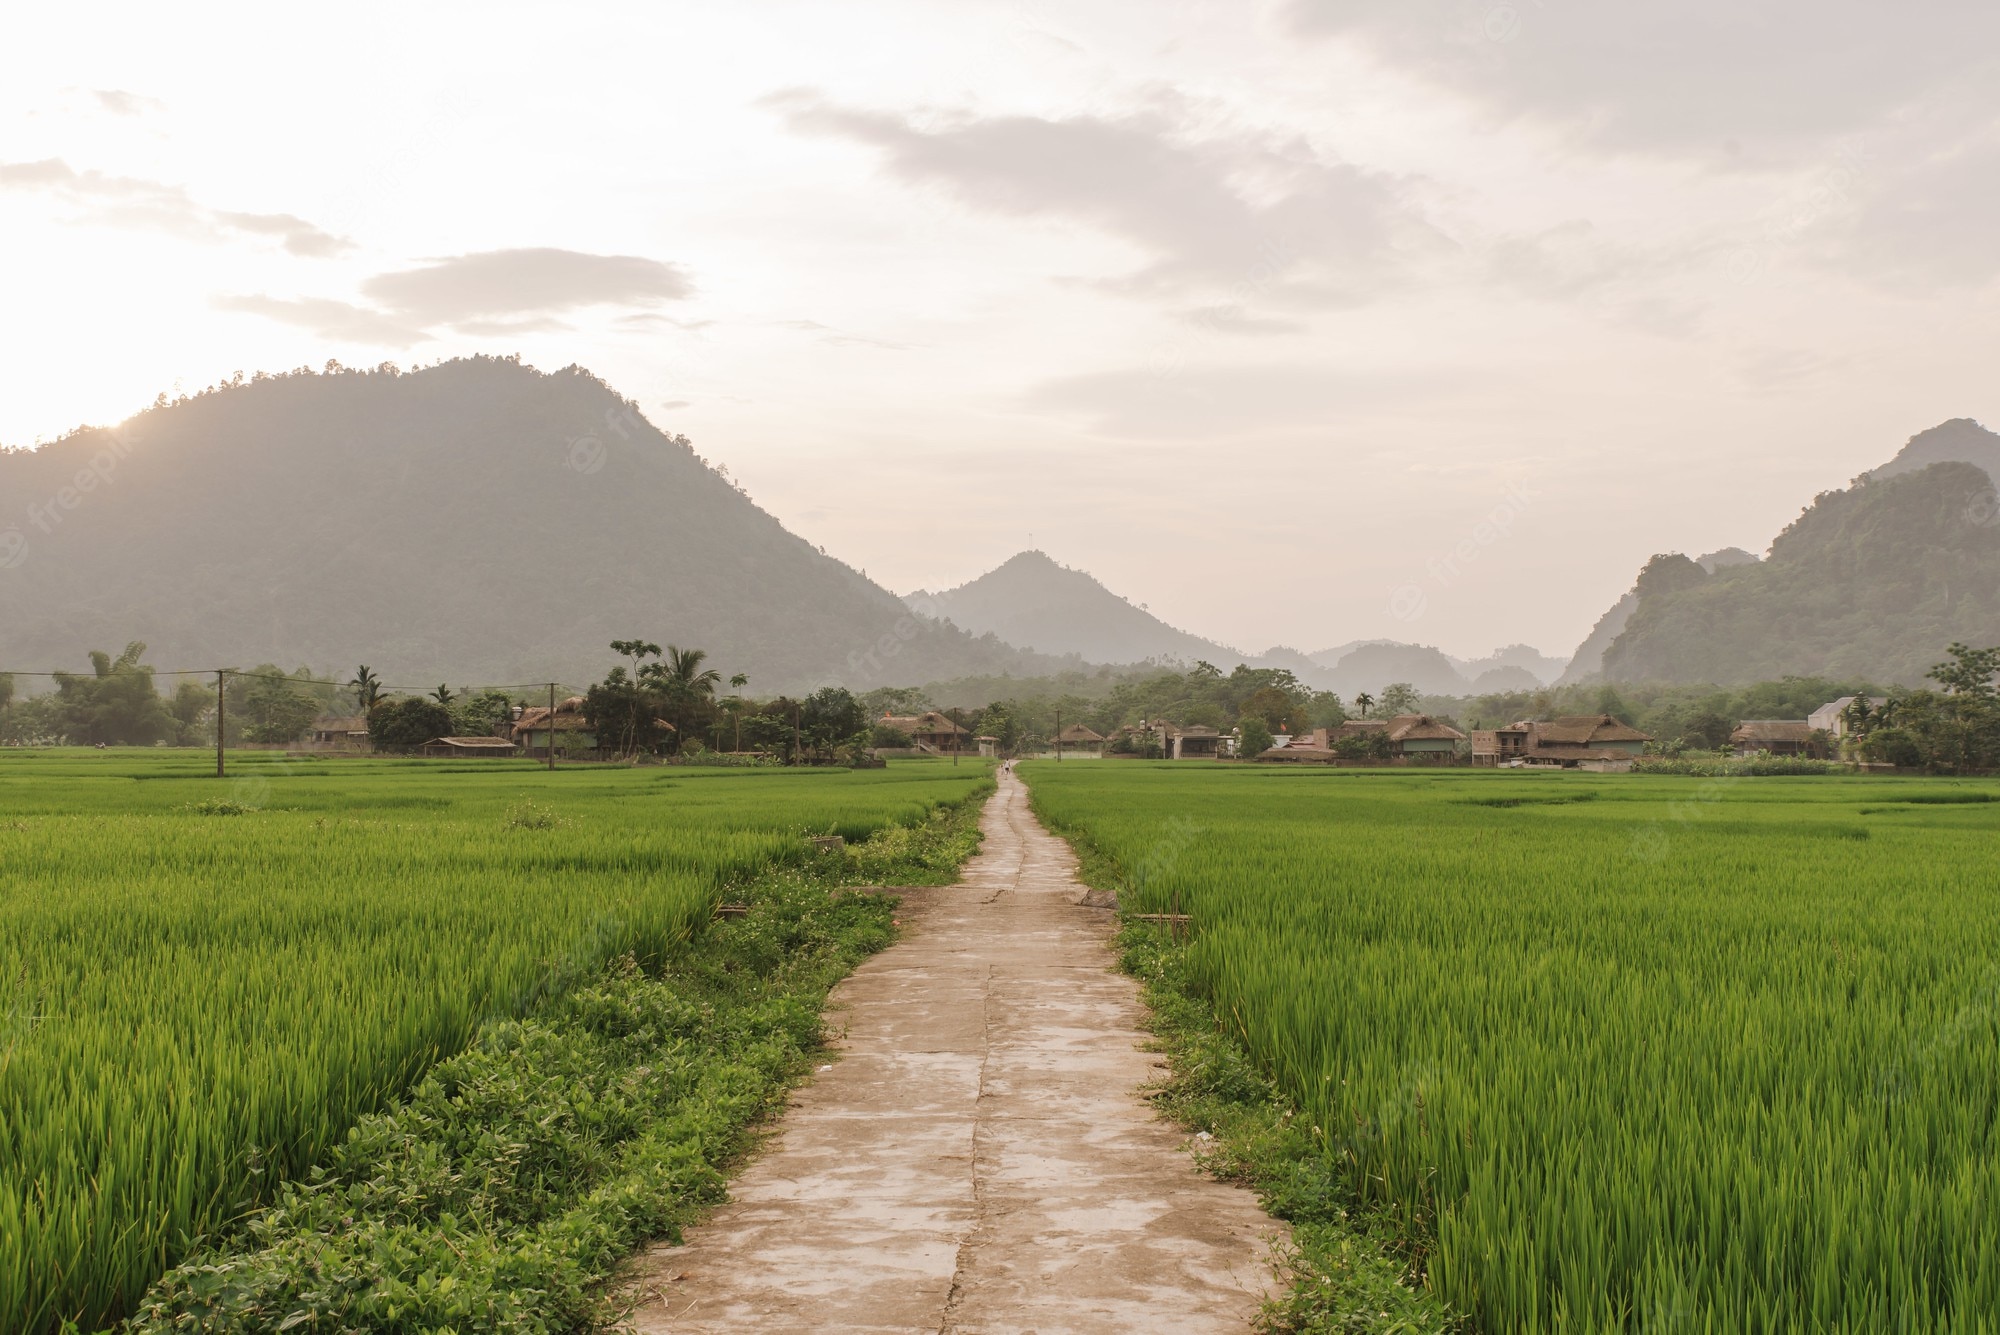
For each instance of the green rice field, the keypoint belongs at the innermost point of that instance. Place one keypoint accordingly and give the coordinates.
(1610, 1053)
(204, 983)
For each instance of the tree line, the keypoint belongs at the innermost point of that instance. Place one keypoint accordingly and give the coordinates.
(1954, 729)
(667, 700)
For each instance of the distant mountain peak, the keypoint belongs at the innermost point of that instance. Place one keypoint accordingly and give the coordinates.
(1033, 599)
(1960, 440)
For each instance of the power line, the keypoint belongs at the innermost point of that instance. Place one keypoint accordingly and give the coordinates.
(276, 676)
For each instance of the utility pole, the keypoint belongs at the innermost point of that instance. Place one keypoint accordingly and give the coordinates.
(796, 743)
(220, 723)
(551, 721)
(955, 731)
(1058, 736)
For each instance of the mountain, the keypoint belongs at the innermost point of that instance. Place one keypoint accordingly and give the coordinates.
(1372, 666)
(1507, 678)
(1328, 658)
(1303, 666)
(1869, 583)
(1588, 660)
(473, 522)
(1960, 440)
(1369, 665)
(1033, 602)
(1511, 664)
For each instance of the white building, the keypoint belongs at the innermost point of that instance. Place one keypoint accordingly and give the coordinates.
(1832, 717)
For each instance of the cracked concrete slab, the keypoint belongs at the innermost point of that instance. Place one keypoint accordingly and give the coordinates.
(979, 1158)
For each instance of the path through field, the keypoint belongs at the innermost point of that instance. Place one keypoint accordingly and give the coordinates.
(978, 1159)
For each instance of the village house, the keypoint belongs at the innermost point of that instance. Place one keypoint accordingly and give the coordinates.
(931, 731)
(1170, 741)
(571, 730)
(1196, 741)
(349, 734)
(534, 729)
(1078, 739)
(1831, 717)
(1777, 737)
(1412, 738)
(1500, 746)
(1596, 742)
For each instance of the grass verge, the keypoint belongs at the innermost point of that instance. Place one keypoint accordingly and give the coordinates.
(1349, 1272)
(503, 1190)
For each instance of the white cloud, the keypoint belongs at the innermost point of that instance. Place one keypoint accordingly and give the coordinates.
(133, 202)
(1270, 219)
(535, 281)
(1698, 77)
(121, 103)
(492, 294)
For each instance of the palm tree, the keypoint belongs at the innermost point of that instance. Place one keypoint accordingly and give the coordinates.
(443, 696)
(1362, 701)
(734, 704)
(681, 677)
(681, 674)
(367, 688)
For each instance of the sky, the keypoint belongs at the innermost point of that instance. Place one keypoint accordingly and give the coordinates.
(1296, 321)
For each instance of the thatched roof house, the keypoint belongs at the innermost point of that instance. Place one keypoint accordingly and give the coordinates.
(1587, 731)
(1778, 737)
(340, 731)
(1575, 741)
(537, 730)
(929, 730)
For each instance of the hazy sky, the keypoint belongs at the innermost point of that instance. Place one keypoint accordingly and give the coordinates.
(1255, 311)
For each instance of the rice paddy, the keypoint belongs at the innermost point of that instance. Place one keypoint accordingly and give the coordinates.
(1610, 1053)
(203, 983)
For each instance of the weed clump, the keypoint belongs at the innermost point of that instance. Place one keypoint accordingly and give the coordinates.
(527, 814)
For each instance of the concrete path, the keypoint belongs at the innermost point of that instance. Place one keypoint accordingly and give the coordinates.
(978, 1158)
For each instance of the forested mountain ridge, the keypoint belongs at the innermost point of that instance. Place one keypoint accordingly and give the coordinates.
(1588, 660)
(1871, 582)
(1960, 440)
(477, 521)
(1032, 601)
